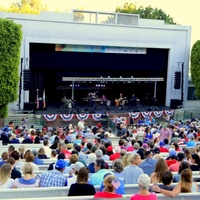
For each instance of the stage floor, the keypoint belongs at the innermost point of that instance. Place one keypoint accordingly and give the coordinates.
(56, 109)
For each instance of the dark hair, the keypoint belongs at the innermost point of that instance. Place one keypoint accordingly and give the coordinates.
(11, 161)
(183, 165)
(167, 177)
(100, 162)
(103, 149)
(74, 152)
(61, 156)
(11, 148)
(176, 146)
(140, 143)
(121, 142)
(15, 155)
(196, 158)
(133, 141)
(82, 176)
(166, 141)
(147, 154)
(89, 145)
(78, 148)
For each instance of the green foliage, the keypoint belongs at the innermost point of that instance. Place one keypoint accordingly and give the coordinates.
(195, 67)
(27, 7)
(146, 13)
(10, 42)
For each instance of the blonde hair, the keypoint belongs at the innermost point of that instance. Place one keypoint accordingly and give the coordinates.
(108, 187)
(186, 180)
(133, 157)
(125, 159)
(27, 168)
(5, 173)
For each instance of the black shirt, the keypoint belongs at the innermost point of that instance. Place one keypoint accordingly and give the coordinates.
(15, 174)
(81, 190)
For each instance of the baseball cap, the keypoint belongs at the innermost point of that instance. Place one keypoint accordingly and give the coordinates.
(156, 150)
(60, 164)
(145, 145)
(78, 166)
(109, 148)
(161, 144)
(180, 156)
(172, 152)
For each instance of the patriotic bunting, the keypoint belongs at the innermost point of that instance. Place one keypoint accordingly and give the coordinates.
(169, 112)
(96, 117)
(134, 115)
(66, 117)
(158, 113)
(82, 116)
(50, 118)
(146, 114)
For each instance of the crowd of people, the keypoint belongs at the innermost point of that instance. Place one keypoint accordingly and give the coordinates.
(82, 157)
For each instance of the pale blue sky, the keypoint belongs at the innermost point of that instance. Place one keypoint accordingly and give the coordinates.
(183, 12)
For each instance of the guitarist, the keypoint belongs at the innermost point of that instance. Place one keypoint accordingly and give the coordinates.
(120, 101)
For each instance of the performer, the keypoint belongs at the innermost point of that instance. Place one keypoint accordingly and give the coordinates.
(121, 101)
(65, 102)
(103, 100)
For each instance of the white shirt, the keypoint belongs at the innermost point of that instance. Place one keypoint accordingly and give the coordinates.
(7, 184)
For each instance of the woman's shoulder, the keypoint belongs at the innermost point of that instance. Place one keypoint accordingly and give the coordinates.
(151, 196)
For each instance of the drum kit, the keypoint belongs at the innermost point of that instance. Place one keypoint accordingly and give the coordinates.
(68, 106)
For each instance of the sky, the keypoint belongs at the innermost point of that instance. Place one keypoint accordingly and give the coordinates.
(183, 12)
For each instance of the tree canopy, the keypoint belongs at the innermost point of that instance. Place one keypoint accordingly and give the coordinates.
(195, 67)
(145, 12)
(10, 43)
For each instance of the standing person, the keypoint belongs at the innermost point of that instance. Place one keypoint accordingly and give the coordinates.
(185, 185)
(81, 187)
(110, 185)
(28, 180)
(132, 172)
(165, 133)
(5, 180)
(144, 194)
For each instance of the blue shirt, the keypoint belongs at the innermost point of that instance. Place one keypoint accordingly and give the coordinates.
(97, 178)
(53, 178)
(148, 166)
(131, 174)
(38, 161)
(119, 190)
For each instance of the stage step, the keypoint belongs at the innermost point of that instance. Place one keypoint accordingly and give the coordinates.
(32, 120)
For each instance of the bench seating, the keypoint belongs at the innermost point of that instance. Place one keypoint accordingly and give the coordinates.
(56, 192)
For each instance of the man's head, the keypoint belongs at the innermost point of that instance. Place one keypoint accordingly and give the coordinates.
(180, 157)
(99, 164)
(99, 153)
(148, 154)
(167, 178)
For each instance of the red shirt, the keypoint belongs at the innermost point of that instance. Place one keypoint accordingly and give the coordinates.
(107, 195)
(114, 156)
(67, 153)
(170, 162)
(162, 149)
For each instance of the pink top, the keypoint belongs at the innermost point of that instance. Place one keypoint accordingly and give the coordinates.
(151, 196)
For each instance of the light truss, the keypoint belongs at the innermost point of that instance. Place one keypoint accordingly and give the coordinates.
(109, 79)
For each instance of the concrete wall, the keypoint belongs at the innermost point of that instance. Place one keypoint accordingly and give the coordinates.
(58, 28)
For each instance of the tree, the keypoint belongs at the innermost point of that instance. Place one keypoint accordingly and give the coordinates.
(195, 67)
(28, 7)
(146, 13)
(10, 43)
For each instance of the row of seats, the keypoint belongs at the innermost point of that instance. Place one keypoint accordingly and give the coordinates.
(56, 192)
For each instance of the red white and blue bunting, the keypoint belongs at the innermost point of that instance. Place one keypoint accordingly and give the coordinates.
(158, 113)
(169, 112)
(66, 117)
(96, 117)
(50, 118)
(134, 115)
(146, 114)
(82, 116)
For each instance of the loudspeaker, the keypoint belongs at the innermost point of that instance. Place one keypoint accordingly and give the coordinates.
(177, 80)
(29, 106)
(175, 103)
(27, 79)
